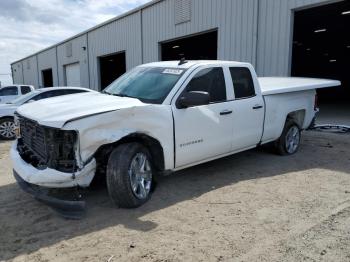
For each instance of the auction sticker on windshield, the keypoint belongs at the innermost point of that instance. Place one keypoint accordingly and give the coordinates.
(173, 71)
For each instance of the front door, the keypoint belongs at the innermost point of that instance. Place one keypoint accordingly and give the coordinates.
(205, 131)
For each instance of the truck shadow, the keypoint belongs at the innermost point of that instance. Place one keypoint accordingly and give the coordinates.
(26, 225)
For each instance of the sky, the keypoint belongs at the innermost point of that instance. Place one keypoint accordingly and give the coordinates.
(28, 26)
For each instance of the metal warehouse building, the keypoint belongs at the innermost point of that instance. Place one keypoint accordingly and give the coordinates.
(279, 37)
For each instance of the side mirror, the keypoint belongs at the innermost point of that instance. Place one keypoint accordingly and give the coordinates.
(193, 98)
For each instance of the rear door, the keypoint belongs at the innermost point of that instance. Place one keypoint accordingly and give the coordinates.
(248, 109)
(205, 131)
(9, 93)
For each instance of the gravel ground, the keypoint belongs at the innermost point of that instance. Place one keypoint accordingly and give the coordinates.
(254, 206)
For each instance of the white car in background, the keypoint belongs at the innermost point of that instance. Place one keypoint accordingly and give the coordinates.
(7, 125)
(9, 93)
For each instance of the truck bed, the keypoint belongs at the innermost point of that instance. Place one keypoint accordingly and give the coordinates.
(278, 85)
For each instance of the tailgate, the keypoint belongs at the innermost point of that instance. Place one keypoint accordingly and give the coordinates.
(277, 85)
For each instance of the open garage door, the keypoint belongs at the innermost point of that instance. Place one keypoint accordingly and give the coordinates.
(198, 47)
(111, 67)
(47, 78)
(321, 48)
(72, 74)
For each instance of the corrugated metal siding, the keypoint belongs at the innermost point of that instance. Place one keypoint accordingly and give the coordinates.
(118, 36)
(235, 20)
(17, 73)
(46, 60)
(30, 71)
(73, 52)
(276, 34)
(256, 31)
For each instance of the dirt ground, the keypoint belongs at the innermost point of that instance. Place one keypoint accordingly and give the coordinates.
(254, 206)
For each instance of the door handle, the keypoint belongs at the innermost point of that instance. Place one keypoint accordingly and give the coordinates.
(226, 112)
(257, 107)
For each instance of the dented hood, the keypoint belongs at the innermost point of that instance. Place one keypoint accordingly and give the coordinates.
(55, 112)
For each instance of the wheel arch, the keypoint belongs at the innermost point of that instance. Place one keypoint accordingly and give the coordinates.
(7, 117)
(153, 145)
(298, 117)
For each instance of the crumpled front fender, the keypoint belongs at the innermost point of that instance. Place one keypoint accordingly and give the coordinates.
(152, 120)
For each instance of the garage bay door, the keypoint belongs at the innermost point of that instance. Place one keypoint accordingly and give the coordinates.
(73, 74)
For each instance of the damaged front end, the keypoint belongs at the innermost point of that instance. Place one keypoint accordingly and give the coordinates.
(46, 147)
(45, 161)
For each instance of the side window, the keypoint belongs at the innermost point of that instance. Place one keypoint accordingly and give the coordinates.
(25, 90)
(9, 91)
(41, 96)
(48, 94)
(242, 82)
(209, 80)
(74, 91)
(56, 93)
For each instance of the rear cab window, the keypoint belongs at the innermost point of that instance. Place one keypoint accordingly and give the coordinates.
(211, 80)
(243, 83)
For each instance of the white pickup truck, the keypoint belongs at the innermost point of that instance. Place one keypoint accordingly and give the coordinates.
(156, 118)
(10, 93)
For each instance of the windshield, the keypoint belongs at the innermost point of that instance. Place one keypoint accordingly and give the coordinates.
(148, 84)
(22, 99)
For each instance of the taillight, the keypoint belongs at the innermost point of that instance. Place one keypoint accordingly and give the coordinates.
(316, 103)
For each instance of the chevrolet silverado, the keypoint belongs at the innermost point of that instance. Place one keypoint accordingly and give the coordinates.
(156, 118)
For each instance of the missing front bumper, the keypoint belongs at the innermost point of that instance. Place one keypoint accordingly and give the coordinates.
(69, 209)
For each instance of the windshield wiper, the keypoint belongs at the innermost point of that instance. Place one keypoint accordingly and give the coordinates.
(120, 95)
(123, 95)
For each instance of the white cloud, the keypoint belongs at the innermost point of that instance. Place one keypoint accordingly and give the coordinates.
(28, 26)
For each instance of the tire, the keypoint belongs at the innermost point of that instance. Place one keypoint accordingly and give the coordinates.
(7, 131)
(125, 176)
(289, 141)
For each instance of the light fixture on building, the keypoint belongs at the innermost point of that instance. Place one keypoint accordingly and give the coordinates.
(332, 60)
(346, 13)
(320, 30)
(175, 46)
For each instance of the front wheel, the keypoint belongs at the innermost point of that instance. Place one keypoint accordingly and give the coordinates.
(289, 142)
(7, 129)
(130, 175)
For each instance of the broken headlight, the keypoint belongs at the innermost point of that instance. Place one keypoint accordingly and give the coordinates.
(61, 146)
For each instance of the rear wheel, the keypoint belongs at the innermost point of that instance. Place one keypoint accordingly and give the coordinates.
(7, 129)
(289, 142)
(130, 175)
